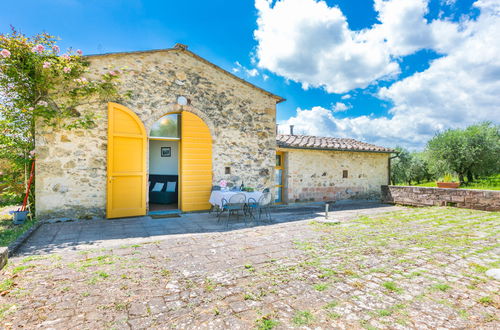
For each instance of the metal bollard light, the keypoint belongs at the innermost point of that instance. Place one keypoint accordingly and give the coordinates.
(327, 206)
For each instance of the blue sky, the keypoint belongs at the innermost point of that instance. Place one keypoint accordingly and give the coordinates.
(386, 71)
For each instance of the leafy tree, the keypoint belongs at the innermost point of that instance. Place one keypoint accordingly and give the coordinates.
(38, 85)
(470, 152)
(400, 165)
(409, 167)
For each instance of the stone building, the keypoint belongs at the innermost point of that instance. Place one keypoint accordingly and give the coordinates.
(187, 125)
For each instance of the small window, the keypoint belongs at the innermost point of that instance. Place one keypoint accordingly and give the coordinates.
(227, 170)
(345, 174)
(166, 127)
(278, 160)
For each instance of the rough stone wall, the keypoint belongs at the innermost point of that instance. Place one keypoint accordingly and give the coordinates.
(316, 175)
(71, 165)
(488, 200)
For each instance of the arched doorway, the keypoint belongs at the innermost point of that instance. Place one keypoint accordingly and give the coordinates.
(128, 182)
(180, 163)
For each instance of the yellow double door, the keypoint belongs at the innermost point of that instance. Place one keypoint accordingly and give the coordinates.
(127, 168)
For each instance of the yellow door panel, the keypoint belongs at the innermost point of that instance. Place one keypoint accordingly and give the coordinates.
(127, 142)
(122, 124)
(196, 163)
(127, 154)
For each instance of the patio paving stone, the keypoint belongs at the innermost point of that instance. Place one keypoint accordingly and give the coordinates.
(381, 267)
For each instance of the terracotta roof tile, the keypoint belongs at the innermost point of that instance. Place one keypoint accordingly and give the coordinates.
(320, 142)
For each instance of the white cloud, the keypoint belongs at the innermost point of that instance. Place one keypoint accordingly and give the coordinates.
(346, 97)
(311, 43)
(340, 107)
(458, 89)
(248, 72)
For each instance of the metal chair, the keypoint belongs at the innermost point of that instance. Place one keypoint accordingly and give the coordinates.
(235, 204)
(263, 206)
(215, 207)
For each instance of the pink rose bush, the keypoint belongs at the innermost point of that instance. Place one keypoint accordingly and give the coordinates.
(5, 53)
(39, 84)
(38, 48)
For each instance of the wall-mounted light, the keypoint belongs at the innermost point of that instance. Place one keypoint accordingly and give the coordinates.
(181, 100)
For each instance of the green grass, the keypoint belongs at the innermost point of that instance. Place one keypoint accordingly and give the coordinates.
(384, 312)
(302, 318)
(485, 301)
(6, 285)
(266, 323)
(391, 286)
(488, 183)
(320, 287)
(441, 287)
(10, 232)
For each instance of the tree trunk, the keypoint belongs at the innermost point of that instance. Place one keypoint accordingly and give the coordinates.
(461, 177)
(470, 176)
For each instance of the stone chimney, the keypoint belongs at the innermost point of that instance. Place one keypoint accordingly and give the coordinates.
(291, 129)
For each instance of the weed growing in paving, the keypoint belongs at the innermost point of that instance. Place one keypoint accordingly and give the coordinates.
(331, 304)
(6, 285)
(303, 318)
(485, 301)
(103, 274)
(19, 269)
(384, 312)
(266, 323)
(333, 315)
(320, 287)
(391, 286)
(250, 268)
(165, 273)
(441, 287)
(248, 296)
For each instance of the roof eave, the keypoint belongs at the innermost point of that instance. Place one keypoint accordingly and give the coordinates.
(336, 149)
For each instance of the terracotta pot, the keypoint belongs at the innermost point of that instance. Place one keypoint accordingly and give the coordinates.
(448, 184)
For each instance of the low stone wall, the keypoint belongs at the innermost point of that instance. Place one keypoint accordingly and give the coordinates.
(488, 200)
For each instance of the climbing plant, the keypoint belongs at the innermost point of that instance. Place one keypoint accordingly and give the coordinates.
(42, 85)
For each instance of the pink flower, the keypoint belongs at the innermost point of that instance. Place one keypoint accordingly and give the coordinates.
(80, 80)
(43, 103)
(65, 56)
(112, 73)
(32, 152)
(223, 183)
(31, 108)
(46, 65)
(56, 49)
(66, 69)
(79, 52)
(38, 48)
(5, 53)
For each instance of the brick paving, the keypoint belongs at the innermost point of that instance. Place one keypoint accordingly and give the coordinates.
(408, 268)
